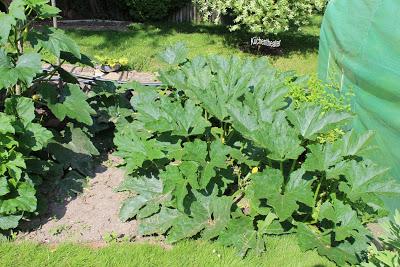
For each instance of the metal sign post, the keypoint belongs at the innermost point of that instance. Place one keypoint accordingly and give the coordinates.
(53, 3)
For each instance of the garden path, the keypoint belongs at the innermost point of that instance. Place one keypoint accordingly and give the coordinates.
(90, 217)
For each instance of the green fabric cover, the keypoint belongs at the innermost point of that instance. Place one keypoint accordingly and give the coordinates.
(360, 51)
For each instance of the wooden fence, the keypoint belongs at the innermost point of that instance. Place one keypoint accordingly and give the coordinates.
(190, 13)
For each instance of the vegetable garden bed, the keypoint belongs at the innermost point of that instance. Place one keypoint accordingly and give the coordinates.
(227, 150)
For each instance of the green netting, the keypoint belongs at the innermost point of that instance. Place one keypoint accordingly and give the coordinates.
(360, 50)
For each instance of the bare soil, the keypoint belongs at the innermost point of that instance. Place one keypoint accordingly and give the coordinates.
(90, 217)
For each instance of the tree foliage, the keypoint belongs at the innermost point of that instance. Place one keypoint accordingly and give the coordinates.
(153, 10)
(268, 16)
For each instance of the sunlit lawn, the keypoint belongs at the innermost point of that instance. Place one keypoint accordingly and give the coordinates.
(142, 42)
(281, 252)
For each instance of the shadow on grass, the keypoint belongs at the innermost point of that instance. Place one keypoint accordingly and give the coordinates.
(292, 42)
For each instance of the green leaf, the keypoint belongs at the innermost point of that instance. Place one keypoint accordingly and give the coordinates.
(7, 21)
(162, 115)
(70, 103)
(159, 223)
(209, 215)
(6, 124)
(46, 11)
(71, 184)
(345, 219)
(28, 65)
(268, 185)
(175, 55)
(54, 41)
(8, 141)
(9, 222)
(323, 156)
(368, 182)
(176, 182)
(66, 76)
(282, 141)
(216, 224)
(149, 193)
(4, 189)
(275, 135)
(131, 207)
(17, 9)
(356, 144)
(79, 141)
(195, 167)
(207, 162)
(135, 149)
(15, 164)
(26, 68)
(392, 230)
(299, 187)
(240, 234)
(217, 160)
(311, 120)
(25, 201)
(32, 135)
(74, 149)
(22, 107)
(310, 239)
(70, 58)
(43, 168)
(35, 137)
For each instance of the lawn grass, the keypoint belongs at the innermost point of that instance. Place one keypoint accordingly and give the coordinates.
(282, 251)
(141, 44)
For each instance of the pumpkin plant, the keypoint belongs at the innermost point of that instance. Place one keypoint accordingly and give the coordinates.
(221, 153)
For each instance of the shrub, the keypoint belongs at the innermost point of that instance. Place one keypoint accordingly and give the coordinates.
(152, 10)
(268, 16)
(221, 153)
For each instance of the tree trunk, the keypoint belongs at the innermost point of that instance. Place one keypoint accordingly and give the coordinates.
(96, 8)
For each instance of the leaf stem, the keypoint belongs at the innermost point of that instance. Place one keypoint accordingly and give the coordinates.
(317, 191)
(293, 166)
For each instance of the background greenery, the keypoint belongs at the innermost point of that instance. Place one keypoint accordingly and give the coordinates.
(153, 10)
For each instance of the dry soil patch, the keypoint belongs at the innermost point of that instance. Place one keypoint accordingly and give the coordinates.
(89, 217)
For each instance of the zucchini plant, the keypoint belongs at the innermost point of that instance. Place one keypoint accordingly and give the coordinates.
(221, 153)
(45, 123)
